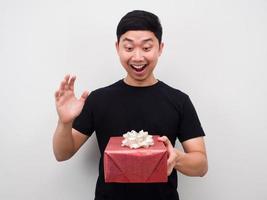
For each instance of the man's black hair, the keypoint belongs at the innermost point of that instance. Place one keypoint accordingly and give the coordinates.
(140, 20)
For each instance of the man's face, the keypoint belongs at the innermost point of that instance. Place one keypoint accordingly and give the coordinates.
(139, 52)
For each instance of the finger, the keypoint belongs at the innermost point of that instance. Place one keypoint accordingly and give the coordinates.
(84, 95)
(171, 156)
(67, 78)
(171, 159)
(62, 85)
(71, 83)
(162, 138)
(56, 94)
(165, 140)
(170, 149)
(63, 82)
(169, 171)
(170, 166)
(171, 162)
(61, 93)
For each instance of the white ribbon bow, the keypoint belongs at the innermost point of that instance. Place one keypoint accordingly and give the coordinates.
(136, 140)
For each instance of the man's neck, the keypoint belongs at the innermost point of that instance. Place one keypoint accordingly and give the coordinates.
(140, 83)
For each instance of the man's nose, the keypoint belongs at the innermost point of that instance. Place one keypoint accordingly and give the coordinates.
(138, 55)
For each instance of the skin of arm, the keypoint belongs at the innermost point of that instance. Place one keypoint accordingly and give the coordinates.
(192, 162)
(66, 140)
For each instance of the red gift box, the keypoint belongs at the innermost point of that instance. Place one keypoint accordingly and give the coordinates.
(142, 165)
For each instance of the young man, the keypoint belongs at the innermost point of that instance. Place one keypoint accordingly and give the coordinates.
(137, 102)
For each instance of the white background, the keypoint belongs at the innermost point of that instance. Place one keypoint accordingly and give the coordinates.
(215, 51)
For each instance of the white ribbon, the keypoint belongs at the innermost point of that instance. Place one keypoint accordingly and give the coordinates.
(136, 140)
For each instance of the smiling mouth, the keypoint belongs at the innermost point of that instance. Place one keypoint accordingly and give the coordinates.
(138, 68)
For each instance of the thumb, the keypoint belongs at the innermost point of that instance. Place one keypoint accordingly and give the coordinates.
(84, 95)
(166, 142)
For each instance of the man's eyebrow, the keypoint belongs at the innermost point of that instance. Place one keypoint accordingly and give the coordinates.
(143, 41)
(147, 40)
(127, 40)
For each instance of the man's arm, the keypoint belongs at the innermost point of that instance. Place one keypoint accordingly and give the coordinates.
(67, 141)
(192, 162)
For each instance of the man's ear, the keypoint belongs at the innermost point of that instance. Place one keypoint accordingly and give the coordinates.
(161, 48)
(117, 46)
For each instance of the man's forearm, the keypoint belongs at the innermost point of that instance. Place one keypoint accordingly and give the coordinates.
(63, 144)
(191, 164)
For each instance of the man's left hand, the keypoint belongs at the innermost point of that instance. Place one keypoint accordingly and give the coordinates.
(173, 154)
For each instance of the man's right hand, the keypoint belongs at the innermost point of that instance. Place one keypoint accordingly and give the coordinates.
(67, 105)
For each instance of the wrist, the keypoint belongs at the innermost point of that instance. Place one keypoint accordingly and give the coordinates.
(179, 155)
(64, 124)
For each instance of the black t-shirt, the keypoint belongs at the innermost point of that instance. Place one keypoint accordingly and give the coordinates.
(119, 108)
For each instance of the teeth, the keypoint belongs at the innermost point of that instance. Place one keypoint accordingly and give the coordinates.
(138, 66)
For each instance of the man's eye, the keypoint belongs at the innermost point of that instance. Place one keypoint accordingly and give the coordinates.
(147, 48)
(128, 48)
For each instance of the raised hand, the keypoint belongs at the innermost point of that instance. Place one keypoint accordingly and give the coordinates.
(67, 105)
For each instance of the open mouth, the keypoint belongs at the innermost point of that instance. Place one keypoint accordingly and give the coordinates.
(138, 68)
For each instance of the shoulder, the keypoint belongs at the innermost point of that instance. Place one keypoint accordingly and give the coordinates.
(173, 93)
(103, 92)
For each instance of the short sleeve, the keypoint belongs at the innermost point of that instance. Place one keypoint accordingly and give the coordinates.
(190, 126)
(84, 122)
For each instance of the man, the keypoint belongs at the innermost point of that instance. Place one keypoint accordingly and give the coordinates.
(137, 102)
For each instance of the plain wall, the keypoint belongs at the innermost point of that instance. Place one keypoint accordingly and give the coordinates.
(215, 51)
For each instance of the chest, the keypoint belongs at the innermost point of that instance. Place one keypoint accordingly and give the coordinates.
(152, 113)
